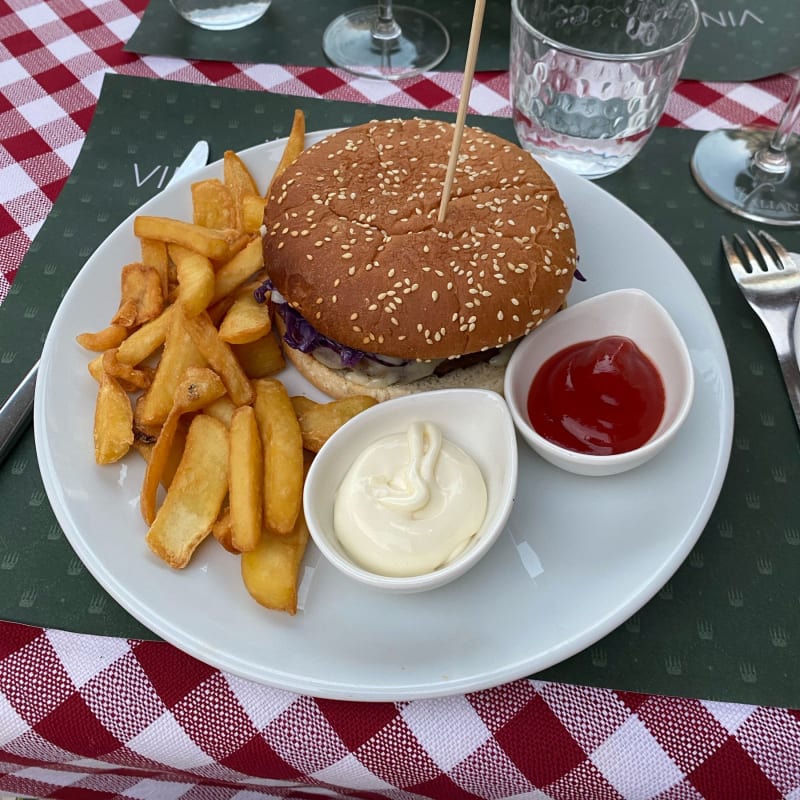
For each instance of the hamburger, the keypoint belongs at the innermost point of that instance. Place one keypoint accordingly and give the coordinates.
(374, 296)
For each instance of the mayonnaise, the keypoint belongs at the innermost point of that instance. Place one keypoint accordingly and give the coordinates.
(410, 503)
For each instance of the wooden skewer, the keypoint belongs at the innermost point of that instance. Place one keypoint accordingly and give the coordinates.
(463, 104)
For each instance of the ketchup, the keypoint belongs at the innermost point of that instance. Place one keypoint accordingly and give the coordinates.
(599, 397)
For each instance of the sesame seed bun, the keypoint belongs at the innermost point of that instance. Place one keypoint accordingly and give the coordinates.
(353, 244)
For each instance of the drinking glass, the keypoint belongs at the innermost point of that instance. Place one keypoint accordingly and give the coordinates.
(221, 15)
(386, 41)
(754, 172)
(589, 82)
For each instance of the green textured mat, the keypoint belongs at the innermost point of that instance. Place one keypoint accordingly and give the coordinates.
(738, 40)
(291, 33)
(725, 627)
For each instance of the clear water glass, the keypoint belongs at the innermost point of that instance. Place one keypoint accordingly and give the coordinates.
(589, 82)
(221, 15)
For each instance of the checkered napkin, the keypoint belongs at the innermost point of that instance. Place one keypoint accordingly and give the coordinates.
(99, 717)
(54, 53)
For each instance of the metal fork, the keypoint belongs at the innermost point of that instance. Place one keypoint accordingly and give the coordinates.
(770, 282)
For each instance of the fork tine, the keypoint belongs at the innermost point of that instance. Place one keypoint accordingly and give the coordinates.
(767, 259)
(781, 253)
(752, 263)
(732, 257)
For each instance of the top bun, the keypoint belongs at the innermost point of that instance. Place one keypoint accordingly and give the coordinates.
(353, 241)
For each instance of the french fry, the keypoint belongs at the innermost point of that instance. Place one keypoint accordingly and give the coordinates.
(246, 321)
(183, 373)
(144, 444)
(245, 480)
(261, 358)
(283, 455)
(143, 431)
(222, 531)
(222, 410)
(195, 496)
(109, 337)
(303, 405)
(177, 252)
(144, 449)
(198, 387)
(239, 181)
(215, 243)
(154, 254)
(271, 571)
(95, 367)
(220, 357)
(130, 377)
(175, 452)
(142, 298)
(180, 353)
(113, 422)
(217, 311)
(195, 283)
(144, 341)
(237, 176)
(252, 213)
(319, 421)
(231, 275)
(295, 145)
(213, 205)
(148, 496)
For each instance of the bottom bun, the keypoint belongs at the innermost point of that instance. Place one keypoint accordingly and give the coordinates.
(337, 384)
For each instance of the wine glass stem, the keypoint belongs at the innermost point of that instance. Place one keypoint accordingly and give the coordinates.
(773, 158)
(385, 28)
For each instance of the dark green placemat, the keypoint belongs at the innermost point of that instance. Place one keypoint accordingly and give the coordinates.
(742, 40)
(738, 40)
(726, 626)
(291, 33)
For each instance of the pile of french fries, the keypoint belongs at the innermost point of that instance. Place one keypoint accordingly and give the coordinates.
(186, 377)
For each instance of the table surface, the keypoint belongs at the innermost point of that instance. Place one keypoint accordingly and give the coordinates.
(125, 717)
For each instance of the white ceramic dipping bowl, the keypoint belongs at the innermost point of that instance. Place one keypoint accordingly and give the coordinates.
(624, 312)
(477, 421)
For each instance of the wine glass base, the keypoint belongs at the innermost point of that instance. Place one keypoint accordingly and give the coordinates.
(348, 42)
(724, 168)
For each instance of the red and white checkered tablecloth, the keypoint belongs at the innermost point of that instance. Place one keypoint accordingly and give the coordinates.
(53, 56)
(103, 717)
(97, 717)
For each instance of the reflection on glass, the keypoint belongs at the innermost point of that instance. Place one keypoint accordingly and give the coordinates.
(386, 41)
(754, 172)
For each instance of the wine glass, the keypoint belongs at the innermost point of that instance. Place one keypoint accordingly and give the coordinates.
(754, 172)
(382, 41)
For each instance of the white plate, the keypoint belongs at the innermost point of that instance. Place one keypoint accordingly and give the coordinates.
(605, 546)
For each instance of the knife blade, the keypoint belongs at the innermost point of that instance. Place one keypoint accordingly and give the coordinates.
(796, 334)
(15, 414)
